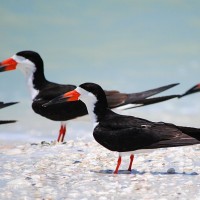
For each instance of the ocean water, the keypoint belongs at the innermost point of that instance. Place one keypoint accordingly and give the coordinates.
(130, 46)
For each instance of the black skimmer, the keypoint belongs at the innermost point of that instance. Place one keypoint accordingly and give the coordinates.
(3, 105)
(42, 91)
(123, 133)
(192, 90)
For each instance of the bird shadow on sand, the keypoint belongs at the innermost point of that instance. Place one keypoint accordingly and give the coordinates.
(109, 171)
(175, 173)
(136, 172)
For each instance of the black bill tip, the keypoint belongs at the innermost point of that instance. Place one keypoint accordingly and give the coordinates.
(2, 68)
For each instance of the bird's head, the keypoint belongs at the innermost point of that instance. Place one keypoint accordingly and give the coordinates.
(26, 61)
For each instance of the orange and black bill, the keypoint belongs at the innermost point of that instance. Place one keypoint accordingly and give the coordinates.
(7, 65)
(69, 96)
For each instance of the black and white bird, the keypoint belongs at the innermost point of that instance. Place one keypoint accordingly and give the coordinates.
(126, 134)
(3, 105)
(42, 91)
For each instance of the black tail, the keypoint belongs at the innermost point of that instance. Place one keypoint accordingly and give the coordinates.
(192, 132)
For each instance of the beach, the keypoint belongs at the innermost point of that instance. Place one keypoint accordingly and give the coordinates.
(81, 169)
(126, 46)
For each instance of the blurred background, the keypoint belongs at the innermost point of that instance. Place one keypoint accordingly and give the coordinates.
(126, 45)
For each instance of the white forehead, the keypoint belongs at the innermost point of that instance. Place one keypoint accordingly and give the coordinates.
(82, 91)
(86, 96)
(22, 60)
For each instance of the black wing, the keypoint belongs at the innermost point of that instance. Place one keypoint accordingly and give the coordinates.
(52, 90)
(116, 98)
(3, 105)
(7, 121)
(126, 133)
(61, 111)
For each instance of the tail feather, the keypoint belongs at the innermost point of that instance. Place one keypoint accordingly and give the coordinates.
(181, 141)
(192, 132)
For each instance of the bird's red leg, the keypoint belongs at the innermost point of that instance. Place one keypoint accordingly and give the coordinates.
(60, 133)
(131, 161)
(63, 134)
(118, 164)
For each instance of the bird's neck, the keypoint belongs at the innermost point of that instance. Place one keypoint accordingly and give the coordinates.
(93, 116)
(35, 81)
(96, 112)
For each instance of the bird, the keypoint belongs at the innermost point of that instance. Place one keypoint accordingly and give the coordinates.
(123, 133)
(192, 90)
(3, 105)
(42, 91)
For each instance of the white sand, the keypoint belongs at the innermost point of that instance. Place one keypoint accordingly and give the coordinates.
(83, 170)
